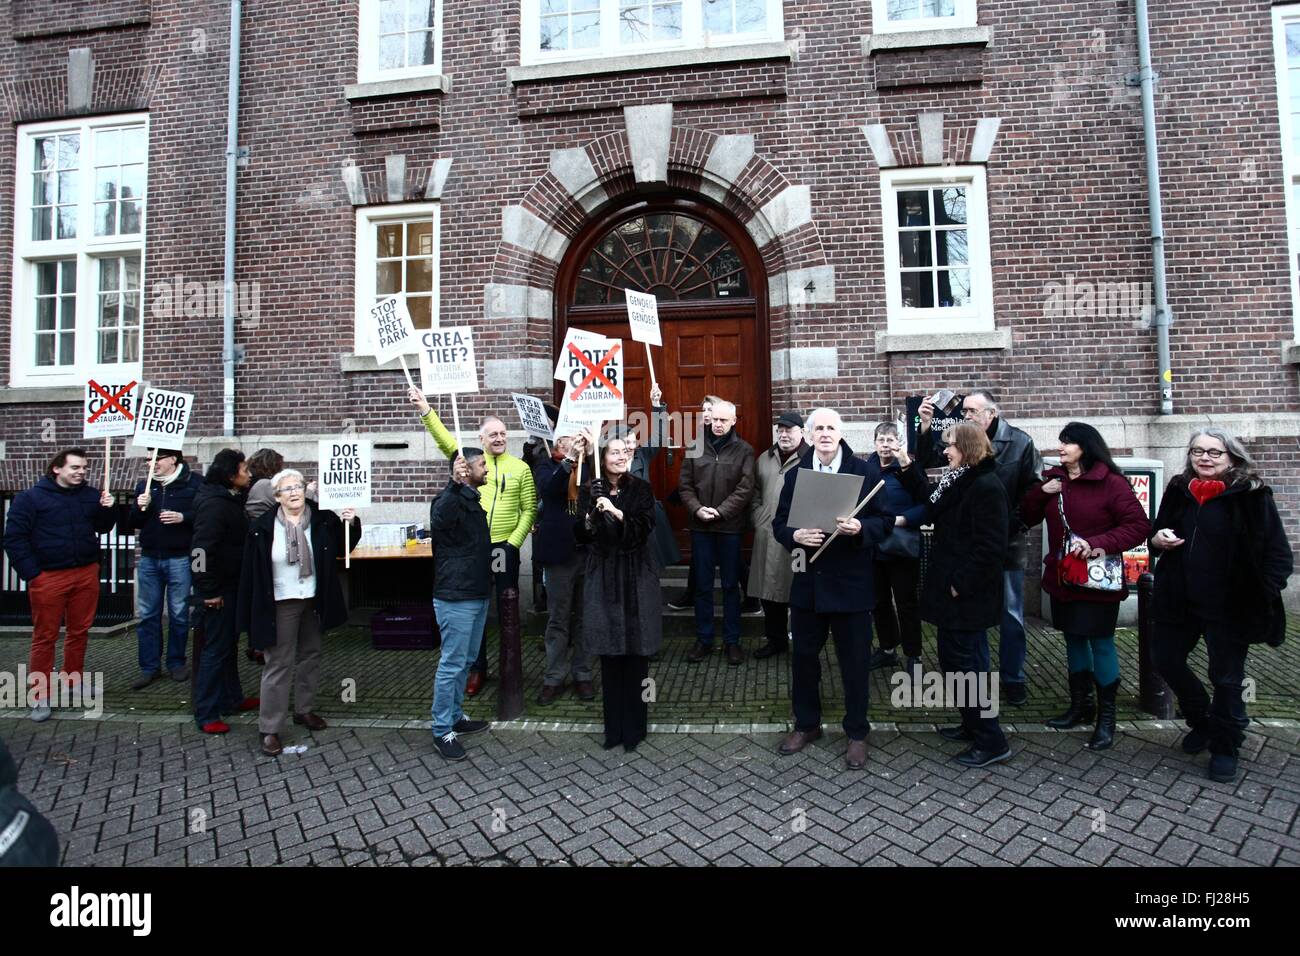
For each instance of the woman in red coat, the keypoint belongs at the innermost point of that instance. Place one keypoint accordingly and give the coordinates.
(1101, 509)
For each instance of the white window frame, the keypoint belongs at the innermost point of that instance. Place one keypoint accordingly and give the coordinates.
(368, 70)
(368, 218)
(965, 14)
(86, 249)
(694, 36)
(977, 317)
(1282, 17)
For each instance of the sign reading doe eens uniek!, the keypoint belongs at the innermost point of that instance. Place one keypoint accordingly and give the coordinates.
(163, 419)
(344, 473)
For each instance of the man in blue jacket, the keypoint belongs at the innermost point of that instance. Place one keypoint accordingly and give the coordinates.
(163, 517)
(834, 594)
(52, 539)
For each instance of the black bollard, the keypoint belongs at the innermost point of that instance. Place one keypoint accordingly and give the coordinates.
(510, 698)
(1154, 695)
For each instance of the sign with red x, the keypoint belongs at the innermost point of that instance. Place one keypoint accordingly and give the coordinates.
(594, 383)
(111, 410)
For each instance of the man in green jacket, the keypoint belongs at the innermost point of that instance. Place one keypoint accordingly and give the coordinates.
(509, 497)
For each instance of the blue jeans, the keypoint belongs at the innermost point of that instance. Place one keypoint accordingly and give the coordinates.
(1011, 647)
(721, 550)
(461, 625)
(157, 578)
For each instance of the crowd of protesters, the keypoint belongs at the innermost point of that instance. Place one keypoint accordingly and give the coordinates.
(261, 558)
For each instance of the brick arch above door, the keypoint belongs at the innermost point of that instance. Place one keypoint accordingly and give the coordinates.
(650, 151)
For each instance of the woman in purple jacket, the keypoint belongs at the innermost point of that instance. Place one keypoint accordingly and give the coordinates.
(1102, 511)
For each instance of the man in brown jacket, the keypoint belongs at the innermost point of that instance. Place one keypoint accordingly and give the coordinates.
(716, 485)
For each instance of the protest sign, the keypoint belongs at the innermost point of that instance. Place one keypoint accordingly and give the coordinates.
(447, 360)
(532, 413)
(391, 331)
(820, 497)
(111, 409)
(643, 317)
(942, 420)
(163, 419)
(594, 382)
(344, 481)
(571, 421)
(572, 335)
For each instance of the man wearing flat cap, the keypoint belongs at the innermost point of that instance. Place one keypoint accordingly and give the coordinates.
(770, 571)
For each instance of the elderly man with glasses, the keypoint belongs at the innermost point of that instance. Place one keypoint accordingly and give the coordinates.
(1019, 467)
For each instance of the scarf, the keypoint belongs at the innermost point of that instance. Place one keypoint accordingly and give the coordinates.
(165, 481)
(946, 481)
(572, 504)
(295, 541)
(1203, 489)
(717, 441)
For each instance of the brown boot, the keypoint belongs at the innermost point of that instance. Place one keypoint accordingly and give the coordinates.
(798, 740)
(271, 745)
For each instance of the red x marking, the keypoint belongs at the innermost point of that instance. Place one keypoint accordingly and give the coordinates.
(110, 401)
(595, 371)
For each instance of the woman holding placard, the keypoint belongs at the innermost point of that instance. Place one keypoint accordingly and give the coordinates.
(622, 612)
(289, 594)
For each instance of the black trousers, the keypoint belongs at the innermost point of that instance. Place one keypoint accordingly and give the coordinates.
(621, 680)
(852, 633)
(898, 605)
(776, 622)
(217, 691)
(509, 578)
(1223, 717)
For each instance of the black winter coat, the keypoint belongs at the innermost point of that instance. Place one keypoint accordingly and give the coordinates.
(1233, 567)
(462, 547)
(968, 552)
(158, 540)
(257, 580)
(553, 541)
(220, 529)
(52, 528)
(841, 581)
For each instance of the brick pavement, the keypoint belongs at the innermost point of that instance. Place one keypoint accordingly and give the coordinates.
(132, 793)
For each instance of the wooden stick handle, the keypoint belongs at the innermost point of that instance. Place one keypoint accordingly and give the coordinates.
(347, 544)
(108, 450)
(406, 371)
(455, 420)
(650, 364)
(153, 460)
(861, 504)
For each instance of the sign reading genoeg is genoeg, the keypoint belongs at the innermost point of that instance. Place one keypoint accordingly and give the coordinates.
(344, 473)
(164, 417)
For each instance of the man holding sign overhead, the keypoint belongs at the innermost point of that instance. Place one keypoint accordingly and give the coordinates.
(832, 594)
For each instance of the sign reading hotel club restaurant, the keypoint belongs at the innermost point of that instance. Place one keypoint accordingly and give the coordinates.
(532, 413)
(447, 360)
(391, 331)
(344, 473)
(163, 419)
(111, 410)
(594, 379)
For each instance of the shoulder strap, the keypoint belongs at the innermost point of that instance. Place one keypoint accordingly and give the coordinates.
(1060, 504)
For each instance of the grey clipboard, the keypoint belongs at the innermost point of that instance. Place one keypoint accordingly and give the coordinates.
(821, 496)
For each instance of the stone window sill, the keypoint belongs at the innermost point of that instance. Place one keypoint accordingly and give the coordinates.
(46, 394)
(1290, 351)
(942, 341)
(641, 62)
(437, 83)
(368, 363)
(874, 43)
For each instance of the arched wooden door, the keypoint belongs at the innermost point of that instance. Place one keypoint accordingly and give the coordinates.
(712, 290)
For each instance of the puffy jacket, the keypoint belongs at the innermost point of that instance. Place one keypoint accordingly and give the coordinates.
(719, 477)
(509, 497)
(52, 528)
(220, 528)
(158, 540)
(967, 553)
(462, 547)
(256, 613)
(841, 581)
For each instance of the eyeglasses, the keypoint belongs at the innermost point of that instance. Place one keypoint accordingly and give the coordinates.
(1214, 454)
(286, 489)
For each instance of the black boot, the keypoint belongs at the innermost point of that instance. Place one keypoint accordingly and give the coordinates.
(1082, 709)
(1104, 735)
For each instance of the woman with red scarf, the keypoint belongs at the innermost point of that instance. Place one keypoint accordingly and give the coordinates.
(1223, 562)
(1089, 493)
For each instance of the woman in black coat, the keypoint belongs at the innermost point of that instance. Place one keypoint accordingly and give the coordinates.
(963, 584)
(622, 614)
(1223, 561)
(289, 594)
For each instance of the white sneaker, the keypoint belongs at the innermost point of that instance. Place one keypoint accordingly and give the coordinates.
(40, 713)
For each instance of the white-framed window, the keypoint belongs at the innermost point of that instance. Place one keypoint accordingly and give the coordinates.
(1286, 45)
(397, 254)
(398, 39)
(558, 30)
(894, 16)
(938, 271)
(79, 239)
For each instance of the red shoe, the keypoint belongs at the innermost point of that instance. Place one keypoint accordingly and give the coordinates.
(216, 727)
(474, 684)
(250, 703)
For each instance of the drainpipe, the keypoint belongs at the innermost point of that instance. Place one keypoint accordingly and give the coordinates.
(1162, 316)
(228, 276)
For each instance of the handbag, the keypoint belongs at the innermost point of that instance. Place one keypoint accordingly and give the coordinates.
(901, 543)
(1105, 573)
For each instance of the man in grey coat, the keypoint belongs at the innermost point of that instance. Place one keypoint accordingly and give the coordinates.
(770, 570)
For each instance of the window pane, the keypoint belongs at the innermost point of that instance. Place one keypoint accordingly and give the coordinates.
(45, 315)
(133, 181)
(918, 290)
(751, 15)
(554, 6)
(47, 278)
(914, 249)
(42, 189)
(419, 238)
(45, 350)
(419, 48)
(43, 158)
(106, 183)
(954, 288)
(391, 52)
(131, 346)
(391, 15)
(390, 241)
(586, 30)
(67, 222)
(67, 313)
(717, 16)
(108, 147)
(65, 348)
(134, 145)
(388, 278)
(950, 206)
(106, 219)
(108, 269)
(915, 9)
(132, 272)
(42, 224)
(131, 310)
(913, 208)
(130, 218)
(668, 21)
(419, 275)
(554, 33)
(69, 276)
(421, 309)
(108, 346)
(69, 151)
(952, 247)
(68, 187)
(419, 13)
(634, 21)
(110, 310)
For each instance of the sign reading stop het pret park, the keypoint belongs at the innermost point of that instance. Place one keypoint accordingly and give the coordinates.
(391, 330)
(163, 419)
(111, 409)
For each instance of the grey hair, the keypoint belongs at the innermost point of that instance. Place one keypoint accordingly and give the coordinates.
(724, 404)
(839, 422)
(887, 428)
(985, 394)
(482, 428)
(1243, 465)
(287, 473)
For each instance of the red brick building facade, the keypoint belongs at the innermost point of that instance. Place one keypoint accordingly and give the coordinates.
(840, 202)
